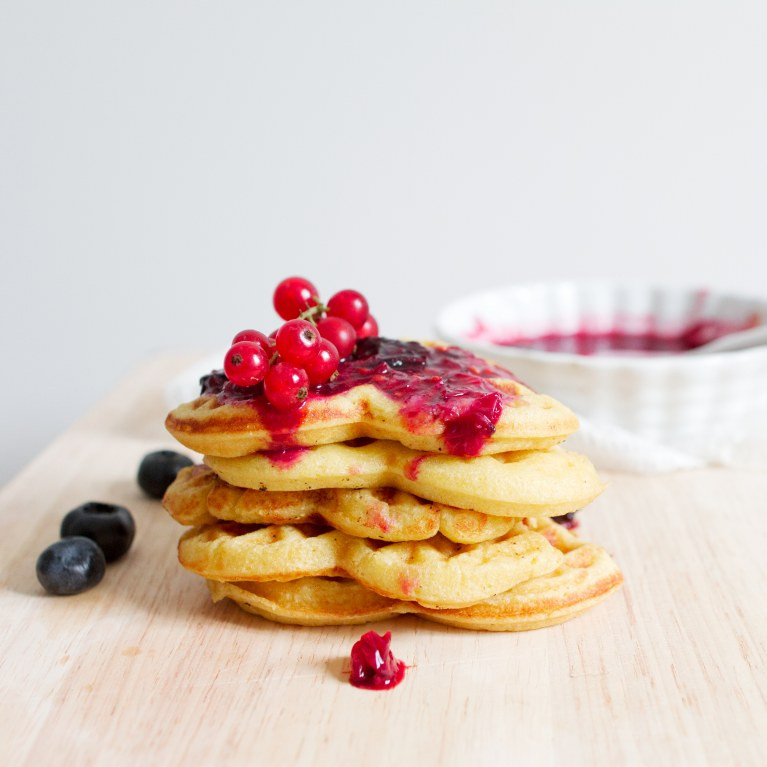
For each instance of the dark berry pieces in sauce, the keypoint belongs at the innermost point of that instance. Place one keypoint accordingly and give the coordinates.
(444, 384)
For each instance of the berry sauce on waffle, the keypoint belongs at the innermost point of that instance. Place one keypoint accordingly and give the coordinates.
(285, 456)
(446, 384)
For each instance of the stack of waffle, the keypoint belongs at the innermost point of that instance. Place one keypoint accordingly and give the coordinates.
(423, 480)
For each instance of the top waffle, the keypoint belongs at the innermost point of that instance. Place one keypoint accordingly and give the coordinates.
(431, 398)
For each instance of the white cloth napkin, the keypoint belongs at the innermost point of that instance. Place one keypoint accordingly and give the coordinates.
(615, 449)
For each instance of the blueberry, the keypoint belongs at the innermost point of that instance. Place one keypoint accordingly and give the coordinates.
(567, 520)
(159, 469)
(111, 527)
(213, 382)
(71, 566)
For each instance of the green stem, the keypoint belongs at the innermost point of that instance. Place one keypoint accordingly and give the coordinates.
(313, 312)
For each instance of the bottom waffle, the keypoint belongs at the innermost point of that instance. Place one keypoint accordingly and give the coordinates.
(585, 576)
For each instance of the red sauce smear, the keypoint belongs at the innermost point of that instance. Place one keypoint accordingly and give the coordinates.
(378, 516)
(285, 457)
(447, 385)
(413, 467)
(374, 666)
(282, 424)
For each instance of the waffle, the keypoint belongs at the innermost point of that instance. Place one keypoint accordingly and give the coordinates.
(435, 573)
(419, 479)
(199, 497)
(545, 483)
(585, 576)
(224, 423)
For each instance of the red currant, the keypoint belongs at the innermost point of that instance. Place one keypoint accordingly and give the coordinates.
(257, 337)
(349, 305)
(286, 386)
(369, 328)
(298, 342)
(246, 363)
(293, 296)
(324, 364)
(340, 333)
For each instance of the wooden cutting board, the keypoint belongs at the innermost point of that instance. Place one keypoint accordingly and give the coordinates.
(144, 669)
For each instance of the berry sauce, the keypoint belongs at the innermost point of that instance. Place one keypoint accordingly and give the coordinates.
(374, 667)
(589, 341)
(285, 457)
(282, 424)
(447, 385)
(413, 467)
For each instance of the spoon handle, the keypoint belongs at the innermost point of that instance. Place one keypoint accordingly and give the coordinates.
(743, 339)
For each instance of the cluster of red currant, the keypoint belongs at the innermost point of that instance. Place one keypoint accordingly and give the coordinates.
(306, 349)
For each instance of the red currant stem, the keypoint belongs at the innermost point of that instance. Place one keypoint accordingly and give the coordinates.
(274, 358)
(311, 314)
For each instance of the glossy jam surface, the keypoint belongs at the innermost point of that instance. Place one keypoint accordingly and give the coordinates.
(282, 424)
(447, 385)
(373, 665)
(586, 341)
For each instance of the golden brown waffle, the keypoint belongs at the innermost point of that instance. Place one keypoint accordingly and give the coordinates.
(199, 497)
(585, 576)
(522, 484)
(441, 510)
(529, 421)
(435, 573)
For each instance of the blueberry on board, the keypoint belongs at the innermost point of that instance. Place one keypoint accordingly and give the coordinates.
(159, 469)
(70, 566)
(110, 526)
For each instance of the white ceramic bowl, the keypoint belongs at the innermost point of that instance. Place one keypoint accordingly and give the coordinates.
(700, 404)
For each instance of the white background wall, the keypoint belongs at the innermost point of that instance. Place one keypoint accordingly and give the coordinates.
(163, 165)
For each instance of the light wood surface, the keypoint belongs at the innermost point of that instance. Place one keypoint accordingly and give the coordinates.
(144, 669)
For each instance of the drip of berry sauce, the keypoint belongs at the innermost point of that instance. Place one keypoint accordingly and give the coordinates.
(374, 666)
(447, 385)
(284, 457)
(282, 424)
